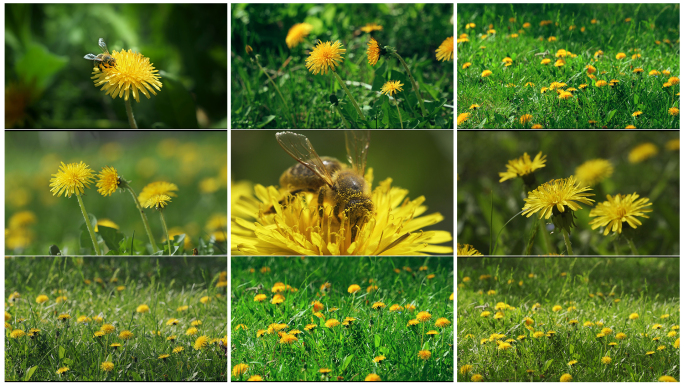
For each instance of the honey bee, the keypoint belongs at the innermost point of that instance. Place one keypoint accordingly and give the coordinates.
(103, 58)
(344, 188)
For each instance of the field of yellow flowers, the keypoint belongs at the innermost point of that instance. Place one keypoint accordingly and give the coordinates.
(115, 319)
(342, 319)
(568, 66)
(619, 192)
(568, 319)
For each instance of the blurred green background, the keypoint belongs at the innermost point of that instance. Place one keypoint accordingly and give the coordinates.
(49, 82)
(482, 155)
(420, 161)
(194, 161)
(415, 30)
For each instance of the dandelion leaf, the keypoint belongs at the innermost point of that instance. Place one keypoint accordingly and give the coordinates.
(111, 237)
(30, 373)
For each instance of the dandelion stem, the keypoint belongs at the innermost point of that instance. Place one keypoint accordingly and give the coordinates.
(413, 82)
(632, 247)
(346, 124)
(566, 237)
(399, 113)
(146, 224)
(129, 113)
(89, 225)
(166, 230)
(287, 107)
(358, 110)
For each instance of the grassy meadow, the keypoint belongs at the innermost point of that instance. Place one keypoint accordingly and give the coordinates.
(342, 319)
(115, 319)
(272, 86)
(568, 66)
(40, 223)
(645, 163)
(568, 319)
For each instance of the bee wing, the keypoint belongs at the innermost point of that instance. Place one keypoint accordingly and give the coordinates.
(300, 148)
(103, 46)
(357, 149)
(90, 56)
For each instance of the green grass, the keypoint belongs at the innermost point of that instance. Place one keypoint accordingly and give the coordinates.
(191, 160)
(415, 30)
(485, 205)
(347, 351)
(505, 96)
(592, 290)
(162, 284)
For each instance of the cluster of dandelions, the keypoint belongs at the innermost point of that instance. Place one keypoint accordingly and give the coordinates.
(73, 178)
(298, 229)
(277, 335)
(543, 327)
(601, 64)
(328, 55)
(558, 199)
(104, 329)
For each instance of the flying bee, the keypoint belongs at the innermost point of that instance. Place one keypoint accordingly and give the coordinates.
(344, 188)
(103, 58)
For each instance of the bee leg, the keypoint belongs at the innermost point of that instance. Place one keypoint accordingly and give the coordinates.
(283, 202)
(321, 197)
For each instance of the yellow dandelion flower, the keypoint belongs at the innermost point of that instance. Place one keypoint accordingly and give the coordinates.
(133, 73)
(371, 27)
(642, 152)
(157, 201)
(325, 56)
(564, 95)
(486, 73)
(592, 172)
(62, 370)
(667, 379)
(297, 33)
(125, 335)
(201, 342)
(107, 366)
(157, 188)
(673, 111)
(445, 51)
(391, 87)
(373, 377)
(287, 339)
(374, 51)
(462, 118)
(423, 316)
(556, 195)
(672, 145)
(425, 355)
(109, 181)
(522, 166)
(17, 333)
(617, 210)
(239, 369)
(143, 308)
(71, 179)
(296, 227)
